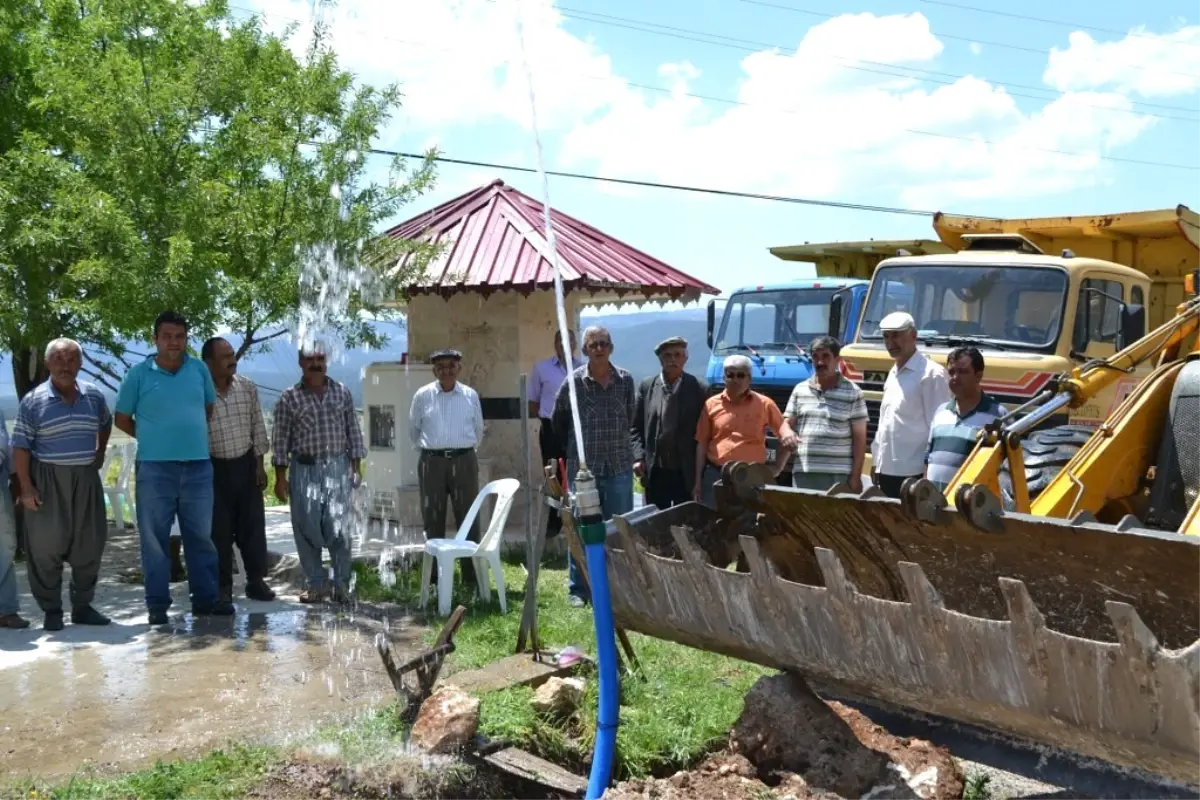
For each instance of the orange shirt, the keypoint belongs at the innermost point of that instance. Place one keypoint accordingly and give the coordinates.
(736, 430)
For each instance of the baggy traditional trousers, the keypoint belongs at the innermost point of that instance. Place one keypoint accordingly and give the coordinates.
(322, 518)
(69, 527)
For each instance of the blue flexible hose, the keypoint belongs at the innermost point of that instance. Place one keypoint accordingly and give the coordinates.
(607, 715)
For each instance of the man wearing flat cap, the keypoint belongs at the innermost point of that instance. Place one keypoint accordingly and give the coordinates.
(912, 394)
(445, 424)
(664, 429)
(317, 449)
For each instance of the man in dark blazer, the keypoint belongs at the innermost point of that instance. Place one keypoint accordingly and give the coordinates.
(667, 412)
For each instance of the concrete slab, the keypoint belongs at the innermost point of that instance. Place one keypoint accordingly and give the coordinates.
(514, 670)
(525, 765)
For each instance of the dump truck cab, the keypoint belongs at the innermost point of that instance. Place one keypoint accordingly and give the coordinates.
(773, 325)
(1031, 314)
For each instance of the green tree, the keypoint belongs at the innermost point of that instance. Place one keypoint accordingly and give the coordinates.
(182, 158)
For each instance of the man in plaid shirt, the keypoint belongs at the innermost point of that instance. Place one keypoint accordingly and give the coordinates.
(317, 434)
(237, 442)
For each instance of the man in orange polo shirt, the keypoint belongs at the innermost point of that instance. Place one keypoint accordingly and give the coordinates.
(733, 427)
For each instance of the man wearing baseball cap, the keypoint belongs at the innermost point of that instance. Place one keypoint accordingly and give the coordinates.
(914, 391)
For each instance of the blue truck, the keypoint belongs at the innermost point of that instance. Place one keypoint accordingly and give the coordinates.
(773, 325)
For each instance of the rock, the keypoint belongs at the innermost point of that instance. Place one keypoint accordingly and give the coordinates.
(558, 696)
(447, 721)
(785, 729)
(789, 743)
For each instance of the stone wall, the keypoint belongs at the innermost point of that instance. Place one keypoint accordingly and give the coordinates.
(500, 337)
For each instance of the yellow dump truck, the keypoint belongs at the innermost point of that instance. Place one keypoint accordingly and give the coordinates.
(1037, 296)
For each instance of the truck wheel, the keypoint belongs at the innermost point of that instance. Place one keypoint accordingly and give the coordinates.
(1046, 452)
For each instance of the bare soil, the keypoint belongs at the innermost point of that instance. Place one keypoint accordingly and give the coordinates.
(790, 743)
(406, 777)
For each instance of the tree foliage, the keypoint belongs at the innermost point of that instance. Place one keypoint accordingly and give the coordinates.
(164, 154)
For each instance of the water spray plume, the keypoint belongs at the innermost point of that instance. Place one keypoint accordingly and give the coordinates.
(587, 508)
(559, 300)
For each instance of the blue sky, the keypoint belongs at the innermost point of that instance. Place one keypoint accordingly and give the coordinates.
(821, 123)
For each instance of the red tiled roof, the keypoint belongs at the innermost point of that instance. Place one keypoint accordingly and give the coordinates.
(494, 239)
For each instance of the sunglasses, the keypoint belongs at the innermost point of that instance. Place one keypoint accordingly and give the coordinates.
(599, 344)
(738, 375)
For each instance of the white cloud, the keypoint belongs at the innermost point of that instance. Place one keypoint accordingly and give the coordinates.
(1145, 64)
(816, 122)
(814, 126)
(976, 48)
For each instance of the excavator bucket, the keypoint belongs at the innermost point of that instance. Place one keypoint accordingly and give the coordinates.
(1068, 634)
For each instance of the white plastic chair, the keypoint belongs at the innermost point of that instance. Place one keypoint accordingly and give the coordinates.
(485, 554)
(119, 497)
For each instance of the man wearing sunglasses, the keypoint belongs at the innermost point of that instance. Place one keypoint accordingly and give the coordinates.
(733, 427)
(607, 399)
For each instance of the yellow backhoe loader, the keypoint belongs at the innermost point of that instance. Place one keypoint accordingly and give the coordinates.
(1070, 621)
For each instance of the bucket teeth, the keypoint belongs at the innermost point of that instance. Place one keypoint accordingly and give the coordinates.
(1050, 633)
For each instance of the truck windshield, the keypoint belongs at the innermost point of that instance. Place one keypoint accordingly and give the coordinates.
(775, 321)
(1007, 306)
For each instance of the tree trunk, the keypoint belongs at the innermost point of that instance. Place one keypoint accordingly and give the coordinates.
(29, 369)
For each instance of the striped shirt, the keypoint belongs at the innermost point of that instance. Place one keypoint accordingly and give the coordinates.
(822, 420)
(58, 432)
(606, 415)
(316, 425)
(237, 422)
(440, 420)
(952, 437)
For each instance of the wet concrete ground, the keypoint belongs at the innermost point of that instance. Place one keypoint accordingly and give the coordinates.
(126, 694)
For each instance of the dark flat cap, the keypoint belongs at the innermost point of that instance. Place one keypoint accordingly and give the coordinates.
(447, 353)
(674, 341)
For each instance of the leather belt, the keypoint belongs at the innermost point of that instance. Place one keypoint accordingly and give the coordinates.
(452, 453)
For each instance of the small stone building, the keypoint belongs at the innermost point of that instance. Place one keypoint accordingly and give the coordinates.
(490, 294)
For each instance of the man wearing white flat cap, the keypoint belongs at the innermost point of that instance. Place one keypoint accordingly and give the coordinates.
(914, 391)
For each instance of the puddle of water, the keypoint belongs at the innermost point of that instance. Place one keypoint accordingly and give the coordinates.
(257, 677)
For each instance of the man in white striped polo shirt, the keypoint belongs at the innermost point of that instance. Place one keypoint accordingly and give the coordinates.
(828, 418)
(58, 445)
(956, 425)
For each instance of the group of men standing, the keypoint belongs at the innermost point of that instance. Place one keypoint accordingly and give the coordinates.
(201, 448)
(667, 431)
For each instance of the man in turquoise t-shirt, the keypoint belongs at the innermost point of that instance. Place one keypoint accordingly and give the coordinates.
(165, 403)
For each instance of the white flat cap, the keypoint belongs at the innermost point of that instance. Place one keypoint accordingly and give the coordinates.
(898, 321)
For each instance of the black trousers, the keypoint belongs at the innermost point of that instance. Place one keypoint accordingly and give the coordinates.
(890, 484)
(239, 517)
(666, 487)
(551, 448)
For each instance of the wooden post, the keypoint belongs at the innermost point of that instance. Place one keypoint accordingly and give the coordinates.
(533, 535)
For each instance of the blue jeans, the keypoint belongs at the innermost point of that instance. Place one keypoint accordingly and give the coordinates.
(10, 601)
(616, 497)
(166, 490)
(320, 496)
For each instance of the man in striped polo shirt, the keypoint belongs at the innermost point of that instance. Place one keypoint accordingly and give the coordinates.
(956, 425)
(828, 418)
(58, 442)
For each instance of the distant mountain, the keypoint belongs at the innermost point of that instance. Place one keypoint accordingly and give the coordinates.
(634, 337)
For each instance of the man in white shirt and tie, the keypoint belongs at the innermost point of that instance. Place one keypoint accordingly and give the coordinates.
(445, 424)
(914, 391)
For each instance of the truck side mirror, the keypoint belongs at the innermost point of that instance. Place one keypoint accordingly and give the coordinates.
(1133, 325)
(837, 309)
(712, 321)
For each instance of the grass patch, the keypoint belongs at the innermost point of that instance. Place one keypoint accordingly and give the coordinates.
(678, 708)
(225, 773)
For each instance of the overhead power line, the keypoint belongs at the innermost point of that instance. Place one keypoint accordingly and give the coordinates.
(807, 112)
(1064, 23)
(671, 186)
(1040, 51)
(877, 67)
